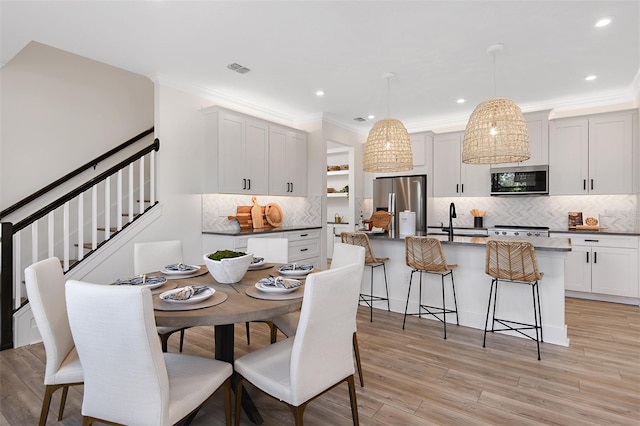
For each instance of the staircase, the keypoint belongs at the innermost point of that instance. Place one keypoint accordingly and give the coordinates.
(78, 226)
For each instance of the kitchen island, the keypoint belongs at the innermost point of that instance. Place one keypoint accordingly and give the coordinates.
(472, 284)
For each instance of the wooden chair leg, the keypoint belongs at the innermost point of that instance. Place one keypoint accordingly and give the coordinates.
(46, 403)
(226, 387)
(63, 400)
(164, 341)
(273, 332)
(181, 339)
(353, 400)
(238, 400)
(356, 351)
(298, 413)
(248, 333)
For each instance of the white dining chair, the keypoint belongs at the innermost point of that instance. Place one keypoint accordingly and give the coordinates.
(343, 254)
(318, 357)
(45, 288)
(152, 257)
(273, 250)
(127, 378)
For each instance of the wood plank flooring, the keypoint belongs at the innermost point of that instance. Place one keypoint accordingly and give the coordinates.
(415, 377)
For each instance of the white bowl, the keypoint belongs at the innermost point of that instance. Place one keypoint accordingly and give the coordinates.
(228, 271)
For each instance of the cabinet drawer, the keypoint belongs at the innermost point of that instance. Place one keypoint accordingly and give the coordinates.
(309, 234)
(603, 240)
(240, 243)
(299, 250)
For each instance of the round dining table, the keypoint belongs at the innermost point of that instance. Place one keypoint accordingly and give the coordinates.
(238, 307)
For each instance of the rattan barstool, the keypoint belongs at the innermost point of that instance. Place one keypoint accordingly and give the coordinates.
(361, 239)
(513, 261)
(424, 255)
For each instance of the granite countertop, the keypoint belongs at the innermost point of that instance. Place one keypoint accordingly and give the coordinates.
(260, 230)
(545, 244)
(605, 231)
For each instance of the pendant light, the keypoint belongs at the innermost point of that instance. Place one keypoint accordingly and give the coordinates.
(497, 131)
(388, 148)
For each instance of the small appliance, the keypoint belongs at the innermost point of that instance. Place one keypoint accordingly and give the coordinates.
(524, 180)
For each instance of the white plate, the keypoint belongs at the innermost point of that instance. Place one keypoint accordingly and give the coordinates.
(197, 298)
(171, 272)
(294, 273)
(157, 282)
(257, 264)
(277, 290)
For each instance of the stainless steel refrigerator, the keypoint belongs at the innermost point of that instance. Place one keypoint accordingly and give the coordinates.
(397, 194)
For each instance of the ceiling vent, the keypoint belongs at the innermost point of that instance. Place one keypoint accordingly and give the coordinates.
(238, 68)
(359, 119)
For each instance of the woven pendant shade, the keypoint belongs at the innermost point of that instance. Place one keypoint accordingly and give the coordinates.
(388, 148)
(496, 133)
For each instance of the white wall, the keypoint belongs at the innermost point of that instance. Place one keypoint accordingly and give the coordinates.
(59, 111)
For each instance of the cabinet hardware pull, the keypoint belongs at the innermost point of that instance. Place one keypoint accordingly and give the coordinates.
(291, 186)
(304, 249)
(592, 241)
(288, 187)
(595, 257)
(244, 184)
(584, 184)
(304, 235)
(462, 188)
(249, 180)
(592, 184)
(457, 188)
(587, 257)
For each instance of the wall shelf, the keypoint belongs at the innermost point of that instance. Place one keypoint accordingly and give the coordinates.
(337, 194)
(338, 173)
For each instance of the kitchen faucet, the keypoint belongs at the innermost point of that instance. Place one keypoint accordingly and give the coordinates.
(452, 215)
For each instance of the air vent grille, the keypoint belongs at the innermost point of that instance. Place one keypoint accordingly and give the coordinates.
(238, 68)
(359, 119)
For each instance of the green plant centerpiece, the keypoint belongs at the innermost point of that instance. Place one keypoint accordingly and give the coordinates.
(228, 266)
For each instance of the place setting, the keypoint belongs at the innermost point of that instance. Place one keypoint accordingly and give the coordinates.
(276, 288)
(258, 263)
(188, 298)
(295, 270)
(178, 271)
(156, 284)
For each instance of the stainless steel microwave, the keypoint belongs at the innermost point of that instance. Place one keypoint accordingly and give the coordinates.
(524, 180)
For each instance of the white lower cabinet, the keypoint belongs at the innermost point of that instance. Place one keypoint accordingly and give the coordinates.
(603, 265)
(333, 236)
(304, 245)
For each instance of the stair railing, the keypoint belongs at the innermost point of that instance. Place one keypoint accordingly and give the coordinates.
(109, 198)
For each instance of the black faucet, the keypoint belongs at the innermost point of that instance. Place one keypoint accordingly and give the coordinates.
(452, 215)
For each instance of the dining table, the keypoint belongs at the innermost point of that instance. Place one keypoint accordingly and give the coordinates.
(234, 303)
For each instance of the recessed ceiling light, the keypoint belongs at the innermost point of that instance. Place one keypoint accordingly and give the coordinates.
(371, 117)
(461, 101)
(603, 22)
(591, 77)
(319, 93)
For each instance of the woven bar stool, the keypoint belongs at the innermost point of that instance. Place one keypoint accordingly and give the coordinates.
(424, 255)
(361, 239)
(513, 261)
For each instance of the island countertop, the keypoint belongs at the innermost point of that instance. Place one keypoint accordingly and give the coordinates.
(234, 232)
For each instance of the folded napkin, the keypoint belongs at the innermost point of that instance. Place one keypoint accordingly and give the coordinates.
(295, 267)
(280, 282)
(142, 279)
(180, 267)
(257, 259)
(185, 293)
(374, 229)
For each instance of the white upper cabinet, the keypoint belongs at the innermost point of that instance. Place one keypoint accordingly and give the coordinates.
(287, 161)
(592, 155)
(538, 127)
(452, 178)
(246, 155)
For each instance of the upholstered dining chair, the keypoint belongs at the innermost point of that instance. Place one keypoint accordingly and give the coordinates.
(45, 288)
(152, 257)
(127, 378)
(273, 250)
(361, 239)
(318, 357)
(343, 254)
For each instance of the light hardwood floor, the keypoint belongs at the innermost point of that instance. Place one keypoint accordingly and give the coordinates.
(414, 377)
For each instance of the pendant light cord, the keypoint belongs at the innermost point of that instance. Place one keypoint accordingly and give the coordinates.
(494, 73)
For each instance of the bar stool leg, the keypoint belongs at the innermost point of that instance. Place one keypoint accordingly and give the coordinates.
(406, 306)
(386, 287)
(539, 312)
(420, 296)
(371, 296)
(486, 323)
(455, 301)
(444, 309)
(535, 317)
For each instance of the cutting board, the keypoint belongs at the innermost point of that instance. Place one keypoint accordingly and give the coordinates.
(245, 219)
(257, 214)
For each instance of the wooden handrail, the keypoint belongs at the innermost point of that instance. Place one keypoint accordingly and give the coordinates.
(76, 172)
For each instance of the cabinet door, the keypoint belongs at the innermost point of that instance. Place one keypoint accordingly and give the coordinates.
(611, 154)
(231, 169)
(475, 180)
(568, 157)
(615, 271)
(256, 157)
(446, 167)
(538, 128)
(577, 269)
(279, 161)
(298, 143)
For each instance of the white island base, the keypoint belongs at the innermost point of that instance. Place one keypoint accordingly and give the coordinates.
(472, 285)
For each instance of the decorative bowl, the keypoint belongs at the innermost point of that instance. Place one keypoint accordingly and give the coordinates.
(230, 270)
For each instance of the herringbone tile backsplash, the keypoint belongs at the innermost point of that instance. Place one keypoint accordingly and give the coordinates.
(616, 212)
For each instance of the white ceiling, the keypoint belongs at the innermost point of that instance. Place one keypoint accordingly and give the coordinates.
(437, 50)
